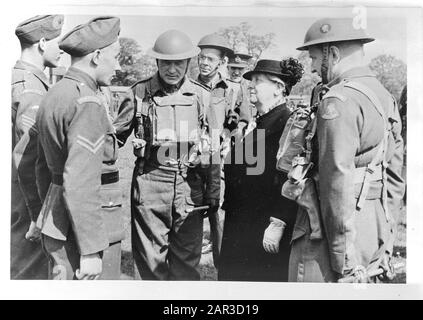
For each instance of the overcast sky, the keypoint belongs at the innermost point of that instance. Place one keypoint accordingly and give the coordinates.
(390, 32)
(387, 25)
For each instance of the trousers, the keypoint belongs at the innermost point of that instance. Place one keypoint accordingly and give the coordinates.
(166, 235)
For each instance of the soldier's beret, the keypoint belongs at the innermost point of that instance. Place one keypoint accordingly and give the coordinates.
(96, 34)
(45, 26)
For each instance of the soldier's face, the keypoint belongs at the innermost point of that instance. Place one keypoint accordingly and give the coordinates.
(209, 60)
(236, 73)
(52, 53)
(108, 64)
(316, 56)
(172, 71)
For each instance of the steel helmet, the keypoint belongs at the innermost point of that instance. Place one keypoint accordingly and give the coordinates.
(333, 30)
(173, 45)
(216, 41)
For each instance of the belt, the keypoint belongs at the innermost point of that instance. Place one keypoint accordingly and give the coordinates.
(106, 178)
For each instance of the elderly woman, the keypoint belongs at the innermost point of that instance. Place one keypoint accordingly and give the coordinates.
(259, 221)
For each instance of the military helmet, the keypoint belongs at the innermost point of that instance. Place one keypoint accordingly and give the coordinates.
(333, 30)
(173, 45)
(239, 60)
(215, 41)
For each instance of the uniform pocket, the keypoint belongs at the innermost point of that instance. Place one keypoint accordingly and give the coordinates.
(218, 106)
(112, 211)
(194, 192)
(110, 148)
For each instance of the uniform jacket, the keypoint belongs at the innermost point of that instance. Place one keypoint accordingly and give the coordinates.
(219, 99)
(349, 129)
(29, 84)
(223, 95)
(73, 124)
(126, 120)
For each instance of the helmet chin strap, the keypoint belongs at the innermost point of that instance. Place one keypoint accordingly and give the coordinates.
(325, 63)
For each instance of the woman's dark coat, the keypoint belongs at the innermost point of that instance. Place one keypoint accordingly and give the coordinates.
(250, 200)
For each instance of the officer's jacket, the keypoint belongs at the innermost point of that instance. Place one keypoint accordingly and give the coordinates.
(72, 124)
(29, 84)
(349, 130)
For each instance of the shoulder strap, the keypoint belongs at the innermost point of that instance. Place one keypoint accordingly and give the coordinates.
(365, 90)
(88, 99)
(381, 152)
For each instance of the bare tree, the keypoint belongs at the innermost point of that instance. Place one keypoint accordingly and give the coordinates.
(241, 38)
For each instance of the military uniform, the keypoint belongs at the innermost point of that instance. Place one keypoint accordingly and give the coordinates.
(241, 60)
(82, 212)
(309, 259)
(29, 84)
(350, 132)
(358, 179)
(219, 100)
(166, 237)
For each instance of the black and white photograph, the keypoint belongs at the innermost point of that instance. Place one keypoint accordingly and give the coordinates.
(213, 150)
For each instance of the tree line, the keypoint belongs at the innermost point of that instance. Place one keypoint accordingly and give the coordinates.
(136, 65)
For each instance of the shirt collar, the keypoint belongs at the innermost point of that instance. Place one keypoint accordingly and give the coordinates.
(356, 72)
(23, 65)
(216, 81)
(82, 77)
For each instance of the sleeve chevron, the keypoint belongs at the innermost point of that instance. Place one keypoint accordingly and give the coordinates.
(93, 147)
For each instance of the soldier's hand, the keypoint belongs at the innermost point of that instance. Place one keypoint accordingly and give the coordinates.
(90, 267)
(388, 269)
(360, 274)
(273, 235)
(34, 233)
(213, 205)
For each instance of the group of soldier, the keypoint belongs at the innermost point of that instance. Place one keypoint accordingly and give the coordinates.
(67, 216)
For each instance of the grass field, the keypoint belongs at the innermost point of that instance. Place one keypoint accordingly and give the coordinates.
(208, 272)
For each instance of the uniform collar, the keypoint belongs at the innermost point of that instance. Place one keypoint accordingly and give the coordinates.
(187, 86)
(82, 77)
(356, 72)
(23, 65)
(218, 79)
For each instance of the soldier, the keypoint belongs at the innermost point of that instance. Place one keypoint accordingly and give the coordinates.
(80, 219)
(359, 160)
(225, 110)
(39, 49)
(238, 65)
(166, 115)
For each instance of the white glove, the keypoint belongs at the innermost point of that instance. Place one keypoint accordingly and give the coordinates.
(90, 267)
(34, 233)
(273, 235)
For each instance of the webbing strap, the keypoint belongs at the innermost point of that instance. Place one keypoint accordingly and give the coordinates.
(381, 153)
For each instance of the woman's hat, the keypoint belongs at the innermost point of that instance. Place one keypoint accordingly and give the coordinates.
(273, 67)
